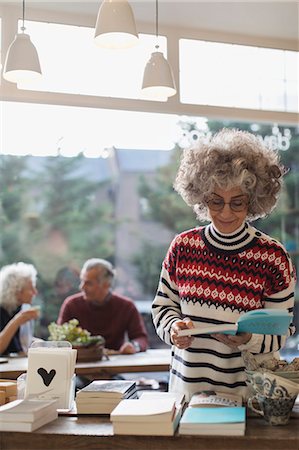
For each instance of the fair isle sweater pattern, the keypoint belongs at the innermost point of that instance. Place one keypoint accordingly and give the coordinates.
(213, 278)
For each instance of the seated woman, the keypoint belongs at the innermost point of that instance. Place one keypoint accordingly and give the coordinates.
(17, 289)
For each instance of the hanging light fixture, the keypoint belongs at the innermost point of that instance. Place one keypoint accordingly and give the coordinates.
(158, 81)
(115, 26)
(22, 62)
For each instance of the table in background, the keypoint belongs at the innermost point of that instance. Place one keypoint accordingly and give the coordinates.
(153, 360)
(96, 432)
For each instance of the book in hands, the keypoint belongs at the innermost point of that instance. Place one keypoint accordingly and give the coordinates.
(227, 421)
(212, 399)
(259, 321)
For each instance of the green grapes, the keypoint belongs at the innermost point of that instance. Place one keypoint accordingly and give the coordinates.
(70, 331)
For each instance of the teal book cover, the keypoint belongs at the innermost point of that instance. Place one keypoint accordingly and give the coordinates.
(235, 414)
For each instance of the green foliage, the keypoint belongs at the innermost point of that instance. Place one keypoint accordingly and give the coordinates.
(165, 205)
(53, 217)
(71, 332)
(149, 262)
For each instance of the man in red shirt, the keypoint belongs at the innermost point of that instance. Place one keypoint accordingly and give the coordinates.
(103, 312)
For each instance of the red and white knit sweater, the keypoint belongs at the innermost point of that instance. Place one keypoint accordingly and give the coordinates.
(214, 278)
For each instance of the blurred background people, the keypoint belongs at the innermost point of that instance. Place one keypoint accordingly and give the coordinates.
(103, 312)
(17, 290)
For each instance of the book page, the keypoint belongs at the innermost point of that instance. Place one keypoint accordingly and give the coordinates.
(228, 328)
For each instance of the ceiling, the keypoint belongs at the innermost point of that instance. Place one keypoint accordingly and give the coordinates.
(271, 19)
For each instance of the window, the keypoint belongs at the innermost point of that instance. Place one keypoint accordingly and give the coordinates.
(238, 76)
(72, 63)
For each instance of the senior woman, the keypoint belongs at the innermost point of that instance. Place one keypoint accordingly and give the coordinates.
(17, 289)
(214, 273)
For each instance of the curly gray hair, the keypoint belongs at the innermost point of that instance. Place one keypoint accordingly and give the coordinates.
(13, 278)
(231, 158)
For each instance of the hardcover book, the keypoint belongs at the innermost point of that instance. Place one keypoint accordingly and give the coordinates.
(214, 421)
(259, 321)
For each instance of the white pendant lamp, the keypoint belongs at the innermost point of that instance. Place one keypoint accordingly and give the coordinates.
(22, 62)
(158, 81)
(115, 26)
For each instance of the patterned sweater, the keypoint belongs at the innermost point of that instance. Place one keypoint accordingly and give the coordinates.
(214, 278)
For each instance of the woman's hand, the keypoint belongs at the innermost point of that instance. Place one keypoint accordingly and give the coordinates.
(233, 341)
(23, 316)
(181, 342)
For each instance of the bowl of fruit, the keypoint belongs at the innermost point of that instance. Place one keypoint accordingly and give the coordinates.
(89, 348)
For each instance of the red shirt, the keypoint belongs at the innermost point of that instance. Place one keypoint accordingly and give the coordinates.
(115, 319)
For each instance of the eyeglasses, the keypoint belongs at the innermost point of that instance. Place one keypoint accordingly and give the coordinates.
(236, 204)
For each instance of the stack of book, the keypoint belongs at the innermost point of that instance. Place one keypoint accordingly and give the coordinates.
(214, 413)
(153, 414)
(27, 415)
(102, 396)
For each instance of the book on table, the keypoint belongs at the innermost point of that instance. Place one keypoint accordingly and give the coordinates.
(102, 396)
(210, 399)
(159, 428)
(27, 415)
(220, 421)
(259, 321)
(107, 389)
(149, 415)
(178, 397)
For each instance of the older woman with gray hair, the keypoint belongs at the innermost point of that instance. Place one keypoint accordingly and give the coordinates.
(212, 274)
(17, 288)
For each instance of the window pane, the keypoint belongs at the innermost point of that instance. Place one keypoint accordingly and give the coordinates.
(60, 130)
(238, 76)
(72, 63)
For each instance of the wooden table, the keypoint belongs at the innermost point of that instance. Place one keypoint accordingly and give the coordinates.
(96, 433)
(153, 360)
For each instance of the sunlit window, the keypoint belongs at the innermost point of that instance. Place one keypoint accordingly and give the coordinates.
(72, 63)
(61, 131)
(238, 76)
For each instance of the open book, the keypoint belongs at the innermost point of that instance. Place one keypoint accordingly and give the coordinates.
(259, 321)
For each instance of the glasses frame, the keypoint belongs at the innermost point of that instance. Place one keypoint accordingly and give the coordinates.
(222, 203)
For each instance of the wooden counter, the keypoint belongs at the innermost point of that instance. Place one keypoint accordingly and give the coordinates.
(153, 360)
(96, 433)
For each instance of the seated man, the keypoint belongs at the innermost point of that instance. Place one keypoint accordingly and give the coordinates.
(103, 312)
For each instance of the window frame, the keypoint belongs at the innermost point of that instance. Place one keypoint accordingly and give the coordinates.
(9, 92)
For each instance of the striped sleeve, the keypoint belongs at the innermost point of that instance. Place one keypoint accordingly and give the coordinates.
(281, 299)
(166, 305)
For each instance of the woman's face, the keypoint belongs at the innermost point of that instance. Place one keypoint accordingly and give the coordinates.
(27, 293)
(232, 208)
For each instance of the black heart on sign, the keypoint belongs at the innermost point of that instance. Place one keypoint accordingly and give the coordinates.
(46, 376)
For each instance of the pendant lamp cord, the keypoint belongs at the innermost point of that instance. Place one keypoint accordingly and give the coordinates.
(157, 22)
(23, 26)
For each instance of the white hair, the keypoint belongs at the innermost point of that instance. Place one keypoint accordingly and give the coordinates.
(100, 264)
(13, 278)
